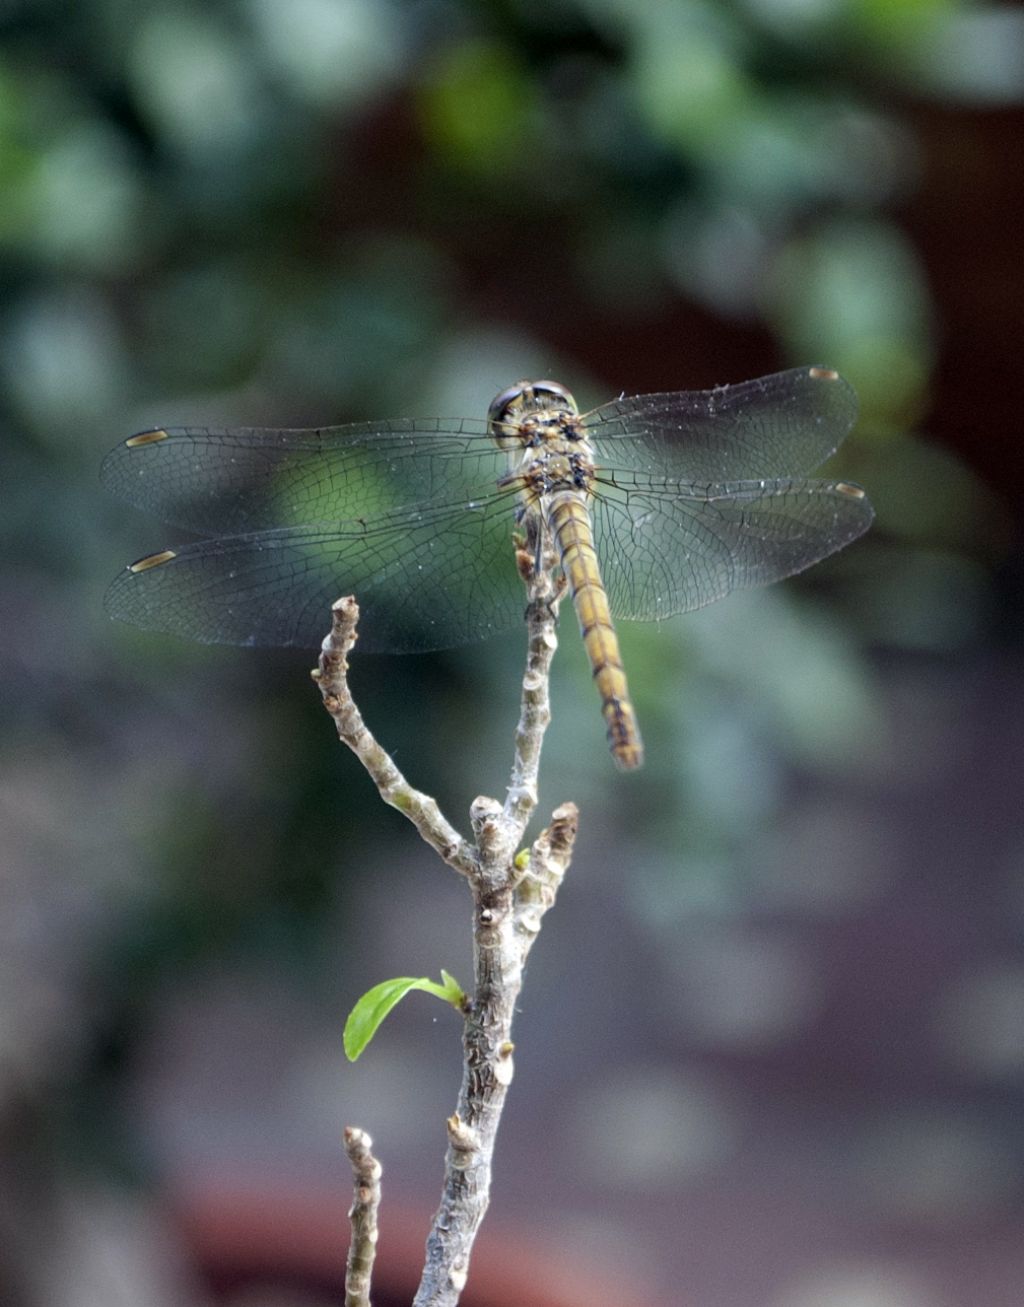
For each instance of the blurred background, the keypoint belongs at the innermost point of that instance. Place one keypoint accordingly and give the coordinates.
(771, 1045)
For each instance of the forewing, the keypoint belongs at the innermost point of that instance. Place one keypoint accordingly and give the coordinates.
(233, 481)
(424, 580)
(670, 548)
(783, 425)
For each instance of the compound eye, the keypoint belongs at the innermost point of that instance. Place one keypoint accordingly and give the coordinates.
(547, 391)
(513, 397)
(526, 397)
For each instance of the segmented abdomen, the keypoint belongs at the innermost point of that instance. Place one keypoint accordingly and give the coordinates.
(570, 524)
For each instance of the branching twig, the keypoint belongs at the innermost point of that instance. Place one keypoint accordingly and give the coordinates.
(511, 892)
(332, 678)
(362, 1216)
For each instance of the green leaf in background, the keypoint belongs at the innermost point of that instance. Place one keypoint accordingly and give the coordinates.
(376, 1003)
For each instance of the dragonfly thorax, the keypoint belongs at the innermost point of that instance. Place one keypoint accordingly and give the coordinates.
(553, 470)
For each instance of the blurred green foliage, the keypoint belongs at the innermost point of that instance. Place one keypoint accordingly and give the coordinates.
(255, 212)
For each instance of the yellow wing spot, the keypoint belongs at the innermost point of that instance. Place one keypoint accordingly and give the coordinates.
(153, 560)
(145, 438)
(823, 374)
(849, 489)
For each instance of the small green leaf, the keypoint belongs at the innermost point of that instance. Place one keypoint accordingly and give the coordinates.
(376, 1003)
(452, 991)
(522, 860)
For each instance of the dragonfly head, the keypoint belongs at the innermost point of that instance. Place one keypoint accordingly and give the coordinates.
(538, 400)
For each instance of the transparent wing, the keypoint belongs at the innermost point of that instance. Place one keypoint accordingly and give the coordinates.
(405, 515)
(214, 481)
(668, 548)
(231, 481)
(424, 580)
(784, 425)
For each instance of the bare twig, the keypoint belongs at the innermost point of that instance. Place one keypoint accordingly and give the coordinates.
(508, 907)
(362, 1216)
(332, 678)
(510, 896)
(511, 891)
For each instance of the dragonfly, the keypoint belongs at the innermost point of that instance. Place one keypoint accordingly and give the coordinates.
(652, 505)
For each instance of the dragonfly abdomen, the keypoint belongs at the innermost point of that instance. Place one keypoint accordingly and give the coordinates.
(570, 524)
